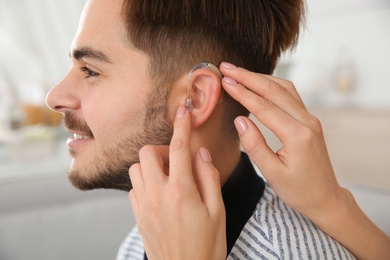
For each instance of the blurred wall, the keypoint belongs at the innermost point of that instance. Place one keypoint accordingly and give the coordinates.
(35, 38)
(341, 60)
(345, 42)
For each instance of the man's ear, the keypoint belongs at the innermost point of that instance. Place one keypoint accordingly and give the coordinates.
(206, 94)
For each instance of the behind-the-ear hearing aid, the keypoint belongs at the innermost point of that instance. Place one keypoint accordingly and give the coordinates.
(206, 65)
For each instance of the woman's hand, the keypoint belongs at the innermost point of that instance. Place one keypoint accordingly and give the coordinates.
(300, 172)
(177, 199)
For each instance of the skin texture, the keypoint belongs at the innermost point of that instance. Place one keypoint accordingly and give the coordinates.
(106, 99)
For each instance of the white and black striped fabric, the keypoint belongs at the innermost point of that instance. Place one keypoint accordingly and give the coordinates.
(274, 231)
(132, 248)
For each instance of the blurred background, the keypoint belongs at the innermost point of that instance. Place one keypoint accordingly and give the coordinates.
(340, 67)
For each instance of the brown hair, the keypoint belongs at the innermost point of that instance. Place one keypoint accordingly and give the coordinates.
(178, 34)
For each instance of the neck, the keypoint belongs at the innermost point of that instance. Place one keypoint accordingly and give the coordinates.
(224, 148)
(224, 151)
(226, 162)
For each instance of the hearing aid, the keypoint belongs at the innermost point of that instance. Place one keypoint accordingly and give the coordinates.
(206, 65)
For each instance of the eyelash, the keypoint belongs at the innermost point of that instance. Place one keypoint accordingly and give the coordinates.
(89, 72)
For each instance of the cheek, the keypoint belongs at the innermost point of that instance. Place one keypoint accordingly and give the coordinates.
(113, 115)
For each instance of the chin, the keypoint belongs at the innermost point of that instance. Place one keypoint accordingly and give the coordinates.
(96, 177)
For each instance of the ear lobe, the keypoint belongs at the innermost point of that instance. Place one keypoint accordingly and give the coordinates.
(205, 93)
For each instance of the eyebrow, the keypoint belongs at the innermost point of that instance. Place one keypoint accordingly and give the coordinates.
(87, 52)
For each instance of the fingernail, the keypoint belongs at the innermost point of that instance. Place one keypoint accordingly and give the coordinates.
(241, 125)
(228, 65)
(204, 153)
(230, 81)
(181, 111)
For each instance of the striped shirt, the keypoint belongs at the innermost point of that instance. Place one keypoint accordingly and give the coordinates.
(274, 231)
(259, 225)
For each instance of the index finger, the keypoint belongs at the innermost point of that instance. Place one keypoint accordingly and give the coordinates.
(251, 80)
(279, 92)
(180, 157)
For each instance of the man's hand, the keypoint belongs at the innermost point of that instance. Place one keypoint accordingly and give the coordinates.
(177, 199)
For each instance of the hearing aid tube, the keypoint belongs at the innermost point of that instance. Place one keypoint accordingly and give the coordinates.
(206, 65)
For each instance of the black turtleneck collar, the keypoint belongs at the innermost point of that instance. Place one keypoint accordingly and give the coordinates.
(241, 193)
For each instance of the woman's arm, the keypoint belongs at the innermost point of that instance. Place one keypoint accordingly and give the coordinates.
(300, 172)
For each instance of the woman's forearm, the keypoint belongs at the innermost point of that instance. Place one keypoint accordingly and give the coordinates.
(343, 220)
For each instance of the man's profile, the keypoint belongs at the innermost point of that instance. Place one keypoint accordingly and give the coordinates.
(130, 64)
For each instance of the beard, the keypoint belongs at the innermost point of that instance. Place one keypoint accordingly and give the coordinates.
(110, 169)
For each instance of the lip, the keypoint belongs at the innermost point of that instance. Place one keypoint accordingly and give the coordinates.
(74, 143)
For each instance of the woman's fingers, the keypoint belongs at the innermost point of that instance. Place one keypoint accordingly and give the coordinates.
(180, 158)
(255, 145)
(154, 160)
(288, 86)
(209, 182)
(138, 187)
(274, 118)
(264, 90)
(177, 218)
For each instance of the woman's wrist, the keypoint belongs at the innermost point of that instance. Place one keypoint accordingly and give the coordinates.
(342, 218)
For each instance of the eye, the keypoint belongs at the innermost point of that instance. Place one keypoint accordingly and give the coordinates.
(89, 73)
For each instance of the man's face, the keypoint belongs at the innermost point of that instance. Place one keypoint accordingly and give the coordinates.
(108, 101)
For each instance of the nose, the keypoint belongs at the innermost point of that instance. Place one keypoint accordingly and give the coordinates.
(63, 97)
